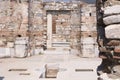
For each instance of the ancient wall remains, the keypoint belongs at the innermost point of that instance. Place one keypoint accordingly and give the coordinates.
(73, 26)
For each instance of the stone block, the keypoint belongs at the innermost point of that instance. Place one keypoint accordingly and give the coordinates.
(88, 27)
(10, 44)
(20, 51)
(111, 10)
(112, 31)
(4, 52)
(88, 50)
(51, 71)
(111, 19)
(117, 49)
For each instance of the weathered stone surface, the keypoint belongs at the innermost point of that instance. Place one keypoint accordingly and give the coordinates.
(114, 43)
(21, 10)
(117, 49)
(88, 27)
(51, 70)
(110, 10)
(111, 3)
(112, 31)
(4, 52)
(88, 19)
(112, 19)
(14, 16)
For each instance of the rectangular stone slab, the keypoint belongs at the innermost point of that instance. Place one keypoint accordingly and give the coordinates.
(111, 19)
(110, 10)
(112, 31)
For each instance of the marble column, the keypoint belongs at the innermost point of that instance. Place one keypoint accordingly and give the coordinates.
(49, 31)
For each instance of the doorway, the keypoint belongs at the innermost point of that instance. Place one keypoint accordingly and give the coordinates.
(58, 28)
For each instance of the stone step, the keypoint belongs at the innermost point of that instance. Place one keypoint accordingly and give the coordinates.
(58, 50)
(60, 44)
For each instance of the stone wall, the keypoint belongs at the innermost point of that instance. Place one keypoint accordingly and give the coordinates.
(72, 23)
(88, 31)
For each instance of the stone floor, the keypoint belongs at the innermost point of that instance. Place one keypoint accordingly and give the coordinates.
(35, 65)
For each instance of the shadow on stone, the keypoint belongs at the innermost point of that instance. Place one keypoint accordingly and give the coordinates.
(1, 78)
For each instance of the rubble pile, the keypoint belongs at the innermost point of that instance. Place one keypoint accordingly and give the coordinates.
(108, 23)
